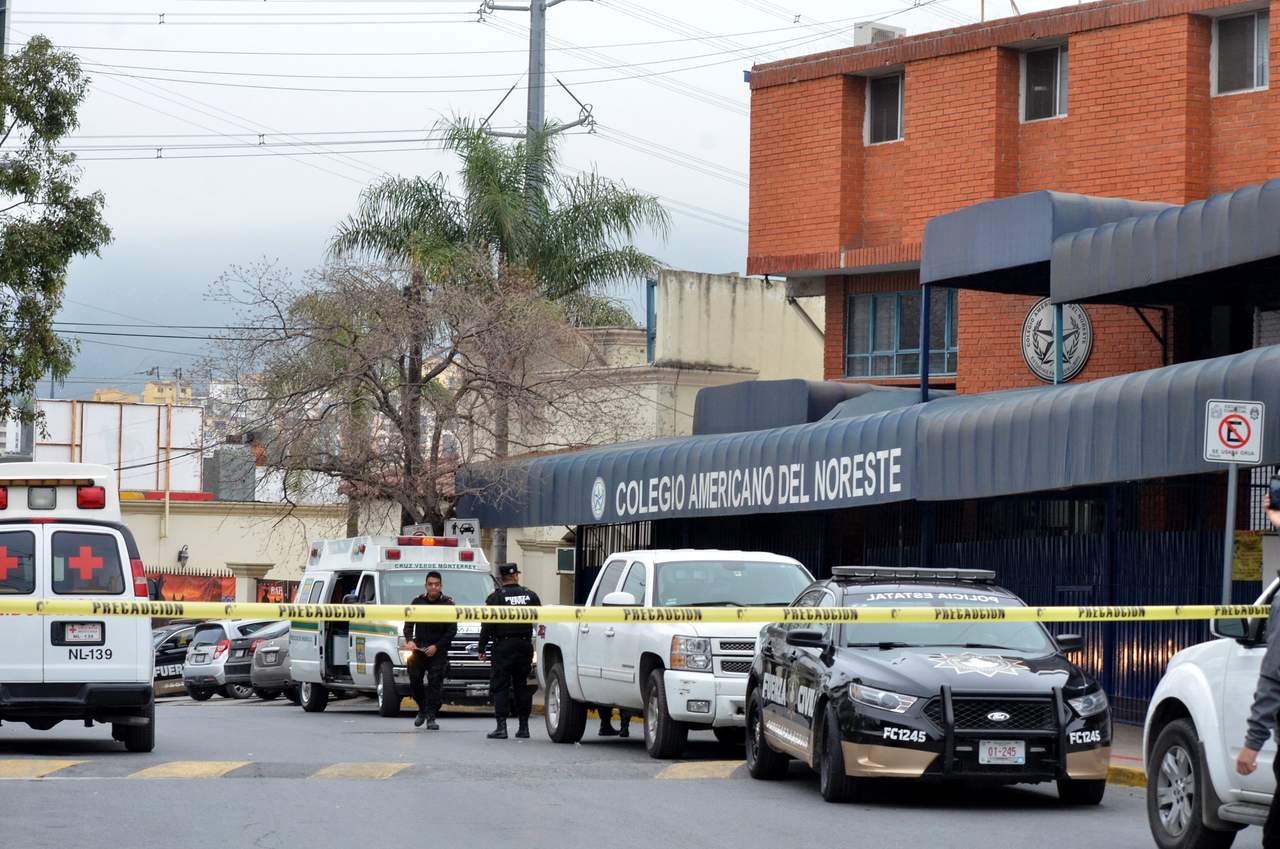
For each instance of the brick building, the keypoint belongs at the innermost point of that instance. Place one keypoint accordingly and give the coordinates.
(853, 151)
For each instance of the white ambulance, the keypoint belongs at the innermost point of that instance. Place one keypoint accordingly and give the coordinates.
(61, 538)
(366, 657)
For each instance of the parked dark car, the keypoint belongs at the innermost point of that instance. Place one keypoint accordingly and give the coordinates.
(170, 643)
(270, 672)
(969, 698)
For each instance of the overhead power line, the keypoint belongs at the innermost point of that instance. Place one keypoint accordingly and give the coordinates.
(328, 53)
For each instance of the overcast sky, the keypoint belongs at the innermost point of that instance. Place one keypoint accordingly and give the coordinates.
(669, 98)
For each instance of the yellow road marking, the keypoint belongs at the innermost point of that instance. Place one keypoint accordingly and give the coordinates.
(32, 767)
(189, 769)
(361, 771)
(700, 769)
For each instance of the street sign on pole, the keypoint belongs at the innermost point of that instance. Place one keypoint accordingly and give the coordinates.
(1233, 431)
(1232, 435)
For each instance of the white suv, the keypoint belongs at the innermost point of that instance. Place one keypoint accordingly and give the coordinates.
(61, 539)
(1195, 729)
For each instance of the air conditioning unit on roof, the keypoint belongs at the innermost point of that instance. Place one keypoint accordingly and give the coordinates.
(869, 32)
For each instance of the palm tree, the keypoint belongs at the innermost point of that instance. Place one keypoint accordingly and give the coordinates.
(573, 233)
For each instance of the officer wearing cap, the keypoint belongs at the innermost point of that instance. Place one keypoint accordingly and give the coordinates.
(512, 653)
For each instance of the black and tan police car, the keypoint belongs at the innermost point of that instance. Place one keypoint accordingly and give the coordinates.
(977, 700)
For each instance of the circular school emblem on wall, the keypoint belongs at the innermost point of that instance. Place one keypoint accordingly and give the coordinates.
(598, 498)
(1037, 340)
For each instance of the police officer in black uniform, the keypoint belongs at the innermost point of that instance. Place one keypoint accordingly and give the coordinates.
(430, 644)
(512, 653)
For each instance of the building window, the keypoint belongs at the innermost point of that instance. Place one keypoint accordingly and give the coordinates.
(1241, 53)
(882, 334)
(884, 109)
(1044, 83)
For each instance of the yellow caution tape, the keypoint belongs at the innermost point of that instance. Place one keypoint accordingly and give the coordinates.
(563, 613)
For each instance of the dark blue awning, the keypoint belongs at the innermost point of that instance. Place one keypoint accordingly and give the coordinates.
(1142, 425)
(1225, 249)
(1004, 245)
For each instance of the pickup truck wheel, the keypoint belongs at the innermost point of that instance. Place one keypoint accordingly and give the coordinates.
(236, 691)
(762, 762)
(833, 782)
(388, 698)
(313, 697)
(138, 738)
(1082, 791)
(1174, 788)
(566, 719)
(664, 737)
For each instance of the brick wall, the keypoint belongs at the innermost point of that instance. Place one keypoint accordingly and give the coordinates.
(1140, 123)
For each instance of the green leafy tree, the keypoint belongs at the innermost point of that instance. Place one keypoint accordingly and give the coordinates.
(44, 221)
(573, 233)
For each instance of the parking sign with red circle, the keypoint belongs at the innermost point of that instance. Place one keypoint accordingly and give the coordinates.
(1233, 431)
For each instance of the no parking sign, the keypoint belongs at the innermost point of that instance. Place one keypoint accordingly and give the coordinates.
(1233, 431)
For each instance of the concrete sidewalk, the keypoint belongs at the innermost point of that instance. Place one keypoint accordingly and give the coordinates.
(1126, 756)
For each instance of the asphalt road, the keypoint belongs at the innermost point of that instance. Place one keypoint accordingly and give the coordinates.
(254, 774)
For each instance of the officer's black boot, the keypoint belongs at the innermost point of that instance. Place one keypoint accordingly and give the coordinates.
(499, 733)
(432, 725)
(420, 718)
(523, 731)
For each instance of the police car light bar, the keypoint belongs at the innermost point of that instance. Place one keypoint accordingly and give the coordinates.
(976, 576)
(447, 542)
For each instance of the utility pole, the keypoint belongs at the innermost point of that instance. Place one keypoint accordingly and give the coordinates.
(536, 132)
(536, 107)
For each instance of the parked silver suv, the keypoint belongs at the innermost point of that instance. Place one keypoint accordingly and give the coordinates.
(218, 659)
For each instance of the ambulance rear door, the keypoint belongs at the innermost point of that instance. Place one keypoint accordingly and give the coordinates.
(92, 563)
(305, 637)
(21, 658)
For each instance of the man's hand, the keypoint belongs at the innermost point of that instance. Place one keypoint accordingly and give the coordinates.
(1273, 513)
(1247, 761)
(410, 645)
(482, 657)
(431, 651)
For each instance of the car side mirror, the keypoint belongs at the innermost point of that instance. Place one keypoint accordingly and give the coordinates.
(1070, 643)
(1233, 629)
(807, 639)
(619, 599)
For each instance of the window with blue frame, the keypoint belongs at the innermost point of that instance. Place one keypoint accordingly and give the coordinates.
(882, 334)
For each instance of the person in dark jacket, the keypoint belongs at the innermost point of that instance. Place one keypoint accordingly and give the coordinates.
(512, 653)
(1266, 705)
(429, 642)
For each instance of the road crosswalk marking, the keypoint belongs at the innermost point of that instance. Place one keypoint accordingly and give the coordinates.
(361, 771)
(700, 769)
(189, 769)
(33, 767)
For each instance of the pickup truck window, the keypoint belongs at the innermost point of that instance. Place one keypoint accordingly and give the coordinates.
(635, 582)
(727, 583)
(608, 582)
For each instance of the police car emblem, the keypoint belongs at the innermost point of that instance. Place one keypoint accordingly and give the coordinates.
(1038, 346)
(598, 498)
(998, 716)
(980, 664)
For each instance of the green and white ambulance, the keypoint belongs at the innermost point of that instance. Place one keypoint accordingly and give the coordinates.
(365, 657)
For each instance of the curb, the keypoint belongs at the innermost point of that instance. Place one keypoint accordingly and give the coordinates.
(1127, 776)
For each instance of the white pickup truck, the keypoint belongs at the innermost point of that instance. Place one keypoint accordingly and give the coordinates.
(1195, 729)
(682, 675)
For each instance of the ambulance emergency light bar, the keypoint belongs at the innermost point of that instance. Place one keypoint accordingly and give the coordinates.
(42, 493)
